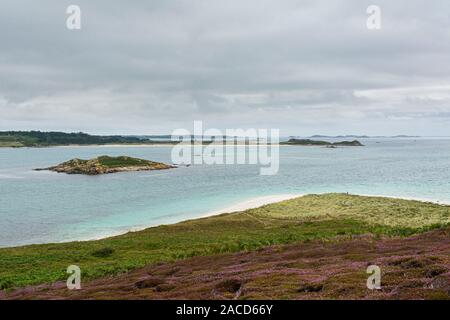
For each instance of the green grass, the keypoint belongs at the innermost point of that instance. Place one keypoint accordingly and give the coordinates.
(10, 144)
(307, 218)
(16, 141)
(121, 161)
(372, 210)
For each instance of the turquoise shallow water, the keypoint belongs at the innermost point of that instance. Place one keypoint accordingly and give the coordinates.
(40, 207)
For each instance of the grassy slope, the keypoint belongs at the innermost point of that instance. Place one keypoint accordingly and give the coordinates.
(123, 161)
(302, 219)
(10, 144)
(15, 141)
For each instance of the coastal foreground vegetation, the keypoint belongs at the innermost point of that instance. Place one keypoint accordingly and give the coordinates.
(324, 218)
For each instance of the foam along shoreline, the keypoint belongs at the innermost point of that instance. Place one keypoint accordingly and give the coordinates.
(253, 203)
(239, 206)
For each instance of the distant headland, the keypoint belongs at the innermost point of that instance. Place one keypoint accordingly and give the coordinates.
(318, 136)
(48, 139)
(309, 142)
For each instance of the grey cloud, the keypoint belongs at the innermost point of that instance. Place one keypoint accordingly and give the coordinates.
(150, 67)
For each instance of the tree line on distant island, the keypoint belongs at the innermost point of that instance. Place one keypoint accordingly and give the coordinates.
(39, 138)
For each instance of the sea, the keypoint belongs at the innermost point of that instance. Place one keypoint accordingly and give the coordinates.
(46, 207)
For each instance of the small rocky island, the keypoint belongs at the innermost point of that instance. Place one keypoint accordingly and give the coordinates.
(107, 164)
(308, 142)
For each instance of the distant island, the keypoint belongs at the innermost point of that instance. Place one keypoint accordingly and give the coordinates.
(47, 139)
(309, 142)
(106, 164)
(318, 136)
(18, 139)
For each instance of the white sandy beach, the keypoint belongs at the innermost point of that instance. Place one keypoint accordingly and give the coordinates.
(253, 203)
(241, 206)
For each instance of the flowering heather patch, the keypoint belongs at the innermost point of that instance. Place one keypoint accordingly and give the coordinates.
(417, 267)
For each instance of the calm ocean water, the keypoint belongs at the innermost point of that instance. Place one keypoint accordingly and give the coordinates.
(40, 207)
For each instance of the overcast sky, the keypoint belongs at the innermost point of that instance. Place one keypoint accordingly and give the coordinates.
(148, 67)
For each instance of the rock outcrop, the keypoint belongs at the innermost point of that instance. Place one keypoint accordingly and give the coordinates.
(106, 164)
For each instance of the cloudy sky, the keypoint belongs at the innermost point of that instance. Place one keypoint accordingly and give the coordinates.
(303, 66)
